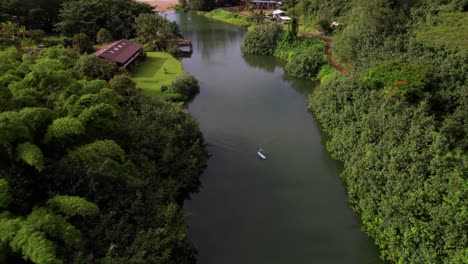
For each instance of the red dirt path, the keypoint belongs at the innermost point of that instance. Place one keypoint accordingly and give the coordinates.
(328, 50)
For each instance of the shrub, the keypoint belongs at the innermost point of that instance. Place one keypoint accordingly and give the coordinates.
(286, 49)
(256, 17)
(261, 40)
(173, 97)
(305, 65)
(186, 85)
(37, 35)
(327, 72)
(94, 67)
(173, 49)
(103, 36)
(81, 43)
(164, 88)
(324, 26)
(397, 79)
(55, 41)
(293, 29)
(66, 41)
(123, 84)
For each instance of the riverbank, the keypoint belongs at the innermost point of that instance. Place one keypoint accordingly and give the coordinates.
(227, 16)
(240, 18)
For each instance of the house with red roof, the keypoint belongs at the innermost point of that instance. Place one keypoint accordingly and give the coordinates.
(122, 52)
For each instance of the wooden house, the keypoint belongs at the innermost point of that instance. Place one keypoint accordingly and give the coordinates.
(122, 52)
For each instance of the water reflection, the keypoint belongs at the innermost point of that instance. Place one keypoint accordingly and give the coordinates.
(271, 64)
(301, 85)
(205, 40)
(267, 63)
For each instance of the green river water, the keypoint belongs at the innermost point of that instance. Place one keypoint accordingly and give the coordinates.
(289, 208)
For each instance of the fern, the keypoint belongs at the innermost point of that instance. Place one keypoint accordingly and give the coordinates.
(12, 128)
(36, 117)
(9, 228)
(63, 128)
(34, 245)
(97, 111)
(54, 226)
(73, 205)
(31, 154)
(96, 153)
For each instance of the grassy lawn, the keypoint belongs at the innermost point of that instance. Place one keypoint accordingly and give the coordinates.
(150, 75)
(228, 17)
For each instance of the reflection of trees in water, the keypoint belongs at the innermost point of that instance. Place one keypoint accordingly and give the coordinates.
(267, 63)
(302, 86)
(207, 35)
(214, 39)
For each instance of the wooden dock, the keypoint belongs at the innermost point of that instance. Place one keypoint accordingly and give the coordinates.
(185, 45)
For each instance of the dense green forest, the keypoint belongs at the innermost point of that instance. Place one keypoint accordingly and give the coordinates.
(78, 16)
(93, 173)
(397, 120)
(90, 171)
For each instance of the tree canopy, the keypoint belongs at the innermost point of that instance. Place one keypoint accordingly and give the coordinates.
(89, 169)
(398, 123)
(262, 39)
(36, 14)
(89, 16)
(157, 32)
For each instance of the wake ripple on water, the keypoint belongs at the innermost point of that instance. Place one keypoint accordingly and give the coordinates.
(226, 142)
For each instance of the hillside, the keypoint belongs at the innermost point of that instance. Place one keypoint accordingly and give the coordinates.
(398, 122)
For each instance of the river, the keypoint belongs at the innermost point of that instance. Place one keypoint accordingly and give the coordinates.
(288, 209)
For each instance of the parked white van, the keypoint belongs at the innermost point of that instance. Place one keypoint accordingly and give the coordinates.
(280, 15)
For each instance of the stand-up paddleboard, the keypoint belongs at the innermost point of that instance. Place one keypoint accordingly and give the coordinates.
(261, 155)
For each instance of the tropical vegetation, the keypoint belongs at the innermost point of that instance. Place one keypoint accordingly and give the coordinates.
(262, 39)
(91, 171)
(158, 33)
(69, 143)
(89, 16)
(398, 123)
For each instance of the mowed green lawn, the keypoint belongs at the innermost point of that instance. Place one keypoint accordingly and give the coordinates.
(149, 75)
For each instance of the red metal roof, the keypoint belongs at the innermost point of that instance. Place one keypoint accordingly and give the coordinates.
(120, 51)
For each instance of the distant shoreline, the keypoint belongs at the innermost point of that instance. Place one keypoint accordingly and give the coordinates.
(161, 5)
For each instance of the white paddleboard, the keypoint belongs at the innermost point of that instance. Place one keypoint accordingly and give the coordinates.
(261, 155)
